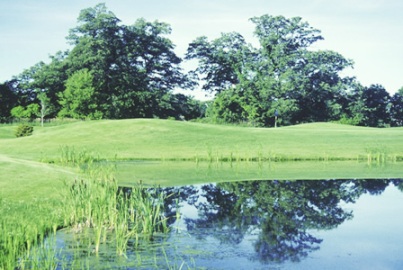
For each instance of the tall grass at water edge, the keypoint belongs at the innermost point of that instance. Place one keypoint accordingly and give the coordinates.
(96, 202)
(23, 226)
(92, 202)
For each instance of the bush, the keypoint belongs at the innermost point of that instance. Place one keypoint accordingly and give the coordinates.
(353, 121)
(24, 130)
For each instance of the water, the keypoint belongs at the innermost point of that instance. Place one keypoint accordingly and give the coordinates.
(332, 224)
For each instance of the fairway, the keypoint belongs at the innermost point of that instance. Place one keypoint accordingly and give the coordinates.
(165, 139)
(31, 165)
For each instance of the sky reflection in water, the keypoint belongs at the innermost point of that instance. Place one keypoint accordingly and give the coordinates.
(335, 224)
(311, 224)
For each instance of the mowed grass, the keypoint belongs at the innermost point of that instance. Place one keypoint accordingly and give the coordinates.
(165, 139)
(24, 180)
(24, 169)
(32, 174)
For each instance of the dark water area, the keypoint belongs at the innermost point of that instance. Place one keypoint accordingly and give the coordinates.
(304, 224)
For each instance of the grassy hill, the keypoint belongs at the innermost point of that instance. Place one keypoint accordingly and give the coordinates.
(24, 162)
(164, 139)
(32, 178)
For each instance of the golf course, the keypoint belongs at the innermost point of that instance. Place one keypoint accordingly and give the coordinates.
(37, 170)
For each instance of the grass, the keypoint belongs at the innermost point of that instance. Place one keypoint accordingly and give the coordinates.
(174, 140)
(92, 202)
(34, 169)
(26, 160)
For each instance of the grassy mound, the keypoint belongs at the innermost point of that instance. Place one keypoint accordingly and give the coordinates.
(171, 140)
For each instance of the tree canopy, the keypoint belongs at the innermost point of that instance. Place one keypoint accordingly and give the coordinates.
(120, 71)
(112, 71)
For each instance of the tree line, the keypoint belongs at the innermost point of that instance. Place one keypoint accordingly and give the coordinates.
(118, 71)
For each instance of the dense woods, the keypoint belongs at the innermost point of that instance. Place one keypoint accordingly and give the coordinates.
(117, 71)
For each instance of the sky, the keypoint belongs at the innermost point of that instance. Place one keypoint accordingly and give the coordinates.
(369, 32)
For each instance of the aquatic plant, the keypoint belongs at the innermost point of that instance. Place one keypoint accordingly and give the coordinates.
(23, 226)
(95, 201)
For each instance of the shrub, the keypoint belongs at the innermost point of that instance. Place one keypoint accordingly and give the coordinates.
(24, 130)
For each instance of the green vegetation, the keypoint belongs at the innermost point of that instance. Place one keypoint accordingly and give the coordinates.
(117, 71)
(38, 202)
(152, 139)
(38, 192)
(24, 130)
(30, 206)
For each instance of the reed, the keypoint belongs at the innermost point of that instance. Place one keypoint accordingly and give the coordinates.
(23, 227)
(95, 201)
(92, 202)
(71, 157)
(379, 155)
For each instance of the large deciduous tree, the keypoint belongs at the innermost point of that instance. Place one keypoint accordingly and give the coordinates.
(281, 75)
(133, 66)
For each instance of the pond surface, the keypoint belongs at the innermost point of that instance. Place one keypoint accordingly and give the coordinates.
(311, 224)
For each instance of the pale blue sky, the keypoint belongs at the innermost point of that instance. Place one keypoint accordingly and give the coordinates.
(370, 32)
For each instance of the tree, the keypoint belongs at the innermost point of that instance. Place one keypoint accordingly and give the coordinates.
(307, 81)
(227, 107)
(78, 100)
(282, 214)
(281, 75)
(320, 90)
(396, 109)
(50, 78)
(45, 106)
(221, 61)
(133, 66)
(376, 100)
(8, 100)
(28, 112)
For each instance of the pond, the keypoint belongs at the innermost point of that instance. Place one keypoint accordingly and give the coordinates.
(264, 224)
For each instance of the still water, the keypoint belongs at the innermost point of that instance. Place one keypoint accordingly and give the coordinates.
(329, 224)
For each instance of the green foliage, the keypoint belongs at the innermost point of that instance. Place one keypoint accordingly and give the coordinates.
(345, 120)
(282, 74)
(8, 100)
(120, 71)
(227, 107)
(24, 225)
(24, 130)
(29, 112)
(132, 67)
(78, 100)
(18, 112)
(396, 109)
(221, 61)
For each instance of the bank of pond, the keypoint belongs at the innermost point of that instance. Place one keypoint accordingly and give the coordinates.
(255, 224)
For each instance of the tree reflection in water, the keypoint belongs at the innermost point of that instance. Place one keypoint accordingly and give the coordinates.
(280, 212)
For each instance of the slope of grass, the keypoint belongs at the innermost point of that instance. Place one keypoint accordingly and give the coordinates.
(164, 139)
(30, 188)
(7, 131)
(24, 180)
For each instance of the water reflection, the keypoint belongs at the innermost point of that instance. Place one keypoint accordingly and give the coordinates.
(281, 214)
(260, 225)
